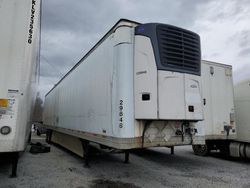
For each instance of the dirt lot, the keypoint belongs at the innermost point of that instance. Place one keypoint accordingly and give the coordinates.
(150, 168)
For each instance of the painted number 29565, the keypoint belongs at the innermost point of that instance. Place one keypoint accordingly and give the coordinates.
(121, 114)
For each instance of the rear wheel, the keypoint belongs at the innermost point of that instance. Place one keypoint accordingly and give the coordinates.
(200, 150)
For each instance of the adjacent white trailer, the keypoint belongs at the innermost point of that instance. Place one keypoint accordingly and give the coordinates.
(218, 106)
(138, 87)
(241, 146)
(19, 50)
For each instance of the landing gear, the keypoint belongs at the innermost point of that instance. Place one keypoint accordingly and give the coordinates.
(14, 161)
(85, 146)
(172, 150)
(29, 139)
(126, 157)
(201, 150)
(48, 136)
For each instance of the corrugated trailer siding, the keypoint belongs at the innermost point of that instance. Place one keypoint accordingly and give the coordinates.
(49, 108)
(84, 96)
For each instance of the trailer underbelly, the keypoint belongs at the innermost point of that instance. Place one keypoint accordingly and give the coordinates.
(119, 143)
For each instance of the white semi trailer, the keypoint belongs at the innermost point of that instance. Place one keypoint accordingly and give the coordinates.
(19, 50)
(138, 87)
(218, 104)
(226, 112)
(241, 146)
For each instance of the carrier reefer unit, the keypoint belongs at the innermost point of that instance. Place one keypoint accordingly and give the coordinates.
(19, 49)
(241, 146)
(218, 106)
(139, 86)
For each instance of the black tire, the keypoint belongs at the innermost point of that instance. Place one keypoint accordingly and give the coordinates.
(38, 133)
(201, 150)
(39, 149)
(224, 150)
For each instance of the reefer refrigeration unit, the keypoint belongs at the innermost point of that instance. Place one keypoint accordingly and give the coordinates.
(241, 146)
(218, 106)
(19, 50)
(139, 86)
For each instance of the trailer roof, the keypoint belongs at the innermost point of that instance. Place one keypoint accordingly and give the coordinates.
(118, 24)
(215, 63)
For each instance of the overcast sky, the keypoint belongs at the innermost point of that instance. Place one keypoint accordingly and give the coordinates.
(71, 28)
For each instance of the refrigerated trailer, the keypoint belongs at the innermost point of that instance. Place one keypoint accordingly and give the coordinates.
(226, 112)
(218, 106)
(19, 50)
(138, 87)
(241, 146)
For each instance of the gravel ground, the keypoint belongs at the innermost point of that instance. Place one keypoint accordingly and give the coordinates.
(148, 168)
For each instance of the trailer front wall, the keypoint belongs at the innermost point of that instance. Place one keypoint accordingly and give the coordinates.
(217, 92)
